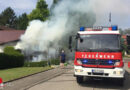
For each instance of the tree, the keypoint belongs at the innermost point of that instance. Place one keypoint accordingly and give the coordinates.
(127, 31)
(22, 22)
(8, 17)
(121, 31)
(41, 11)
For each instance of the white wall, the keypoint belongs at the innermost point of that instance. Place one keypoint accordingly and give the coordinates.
(7, 44)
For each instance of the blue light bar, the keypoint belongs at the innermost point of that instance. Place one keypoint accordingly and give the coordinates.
(114, 28)
(84, 61)
(82, 28)
(110, 61)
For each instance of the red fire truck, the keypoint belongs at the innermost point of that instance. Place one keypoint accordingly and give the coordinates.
(98, 54)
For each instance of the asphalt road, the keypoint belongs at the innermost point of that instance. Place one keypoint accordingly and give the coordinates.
(66, 81)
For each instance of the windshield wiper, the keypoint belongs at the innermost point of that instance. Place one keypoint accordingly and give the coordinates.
(106, 49)
(85, 50)
(97, 50)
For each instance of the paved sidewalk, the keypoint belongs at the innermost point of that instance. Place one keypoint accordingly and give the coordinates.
(66, 81)
(27, 82)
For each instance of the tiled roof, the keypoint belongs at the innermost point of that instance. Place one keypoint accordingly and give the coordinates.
(10, 35)
(5, 28)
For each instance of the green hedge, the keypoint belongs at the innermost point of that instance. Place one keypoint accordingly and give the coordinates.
(11, 58)
(36, 64)
(42, 63)
(55, 61)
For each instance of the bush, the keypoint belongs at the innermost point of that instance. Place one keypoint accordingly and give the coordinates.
(36, 64)
(42, 63)
(11, 51)
(55, 61)
(11, 58)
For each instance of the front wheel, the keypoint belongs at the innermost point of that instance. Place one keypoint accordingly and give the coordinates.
(121, 82)
(79, 79)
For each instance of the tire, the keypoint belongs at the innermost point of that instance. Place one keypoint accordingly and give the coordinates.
(79, 79)
(120, 82)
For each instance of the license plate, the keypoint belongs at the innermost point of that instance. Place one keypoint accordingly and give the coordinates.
(97, 71)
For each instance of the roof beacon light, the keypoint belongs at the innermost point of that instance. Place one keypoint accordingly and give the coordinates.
(82, 28)
(110, 28)
(114, 28)
(100, 28)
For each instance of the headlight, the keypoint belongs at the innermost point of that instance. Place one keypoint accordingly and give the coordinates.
(118, 72)
(79, 61)
(117, 63)
(78, 70)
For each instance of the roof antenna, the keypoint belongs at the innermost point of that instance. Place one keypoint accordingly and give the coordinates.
(110, 17)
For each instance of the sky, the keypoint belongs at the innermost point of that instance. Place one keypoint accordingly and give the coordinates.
(120, 12)
(119, 9)
(20, 6)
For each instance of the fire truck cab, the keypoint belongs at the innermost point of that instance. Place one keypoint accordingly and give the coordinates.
(98, 54)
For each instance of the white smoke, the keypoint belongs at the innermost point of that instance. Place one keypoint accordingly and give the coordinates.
(39, 35)
(67, 16)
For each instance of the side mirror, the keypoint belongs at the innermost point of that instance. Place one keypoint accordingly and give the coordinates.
(70, 43)
(81, 40)
(78, 37)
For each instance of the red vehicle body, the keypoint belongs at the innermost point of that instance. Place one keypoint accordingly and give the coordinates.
(98, 54)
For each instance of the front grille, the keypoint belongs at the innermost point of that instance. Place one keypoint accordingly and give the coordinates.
(98, 62)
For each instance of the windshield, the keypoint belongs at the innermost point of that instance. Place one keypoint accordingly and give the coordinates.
(98, 43)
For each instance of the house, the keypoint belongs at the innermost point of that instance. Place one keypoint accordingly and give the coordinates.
(9, 37)
(125, 39)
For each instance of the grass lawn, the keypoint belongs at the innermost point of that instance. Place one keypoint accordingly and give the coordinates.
(14, 73)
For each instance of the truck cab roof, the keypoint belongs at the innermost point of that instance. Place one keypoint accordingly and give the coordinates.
(99, 32)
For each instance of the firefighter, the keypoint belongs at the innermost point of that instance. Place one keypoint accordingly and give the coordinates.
(62, 58)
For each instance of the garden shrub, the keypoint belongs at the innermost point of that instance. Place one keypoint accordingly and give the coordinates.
(42, 63)
(11, 58)
(36, 64)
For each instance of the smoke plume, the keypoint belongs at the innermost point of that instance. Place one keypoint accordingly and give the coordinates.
(66, 18)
